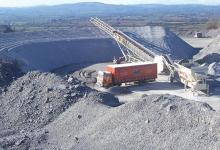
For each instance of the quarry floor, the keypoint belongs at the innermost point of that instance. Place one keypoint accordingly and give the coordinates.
(124, 93)
(127, 93)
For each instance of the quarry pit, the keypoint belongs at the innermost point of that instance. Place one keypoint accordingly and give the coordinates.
(59, 106)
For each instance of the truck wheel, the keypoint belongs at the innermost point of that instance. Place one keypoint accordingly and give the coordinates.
(142, 82)
(119, 84)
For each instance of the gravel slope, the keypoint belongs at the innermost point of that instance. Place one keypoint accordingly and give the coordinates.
(46, 56)
(161, 41)
(209, 54)
(48, 51)
(45, 111)
(37, 99)
(156, 122)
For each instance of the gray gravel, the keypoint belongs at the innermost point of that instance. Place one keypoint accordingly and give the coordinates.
(156, 122)
(47, 56)
(9, 71)
(209, 54)
(36, 100)
(214, 69)
(161, 41)
(45, 111)
(46, 51)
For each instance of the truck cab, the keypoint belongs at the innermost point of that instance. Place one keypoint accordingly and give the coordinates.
(104, 79)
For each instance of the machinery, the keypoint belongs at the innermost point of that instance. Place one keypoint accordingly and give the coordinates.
(125, 73)
(134, 51)
(190, 76)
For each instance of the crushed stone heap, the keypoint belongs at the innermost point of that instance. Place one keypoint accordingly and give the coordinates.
(153, 122)
(214, 69)
(9, 71)
(161, 41)
(36, 100)
(46, 111)
(209, 54)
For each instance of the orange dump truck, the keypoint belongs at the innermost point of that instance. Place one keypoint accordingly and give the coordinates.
(123, 73)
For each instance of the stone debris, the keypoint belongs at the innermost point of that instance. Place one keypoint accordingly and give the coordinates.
(214, 69)
(209, 54)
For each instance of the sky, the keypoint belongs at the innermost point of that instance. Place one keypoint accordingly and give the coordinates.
(26, 3)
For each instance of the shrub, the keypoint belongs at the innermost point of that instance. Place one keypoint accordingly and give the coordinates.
(212, 25)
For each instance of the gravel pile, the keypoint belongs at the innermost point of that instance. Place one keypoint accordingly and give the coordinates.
(154, 122)
(214, 69)
(45, 111)
(36, 100)
(213, 32)
(9, 71)
(161, 41)
(209, 54)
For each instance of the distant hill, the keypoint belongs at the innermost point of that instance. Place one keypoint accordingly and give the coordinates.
(100, 9)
